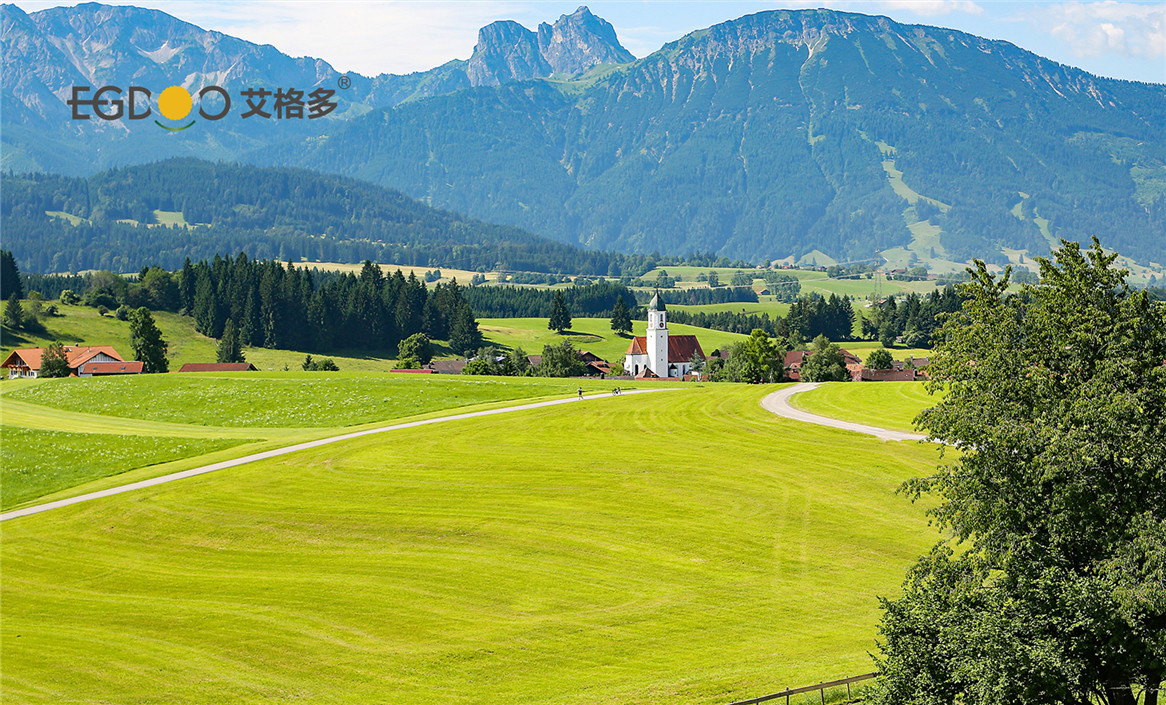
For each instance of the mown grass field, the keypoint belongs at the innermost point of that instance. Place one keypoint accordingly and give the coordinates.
(35, 463)
(592, 334)
(64, 437)
(282, 400)
(892, 405)
(683, 546)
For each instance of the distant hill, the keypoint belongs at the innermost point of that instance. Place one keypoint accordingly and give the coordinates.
(163, 212)
(814, 135)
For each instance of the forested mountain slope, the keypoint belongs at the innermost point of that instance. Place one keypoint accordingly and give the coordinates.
(164, 212)
(784, 132)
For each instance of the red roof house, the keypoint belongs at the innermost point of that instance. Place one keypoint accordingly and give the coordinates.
(101, 369)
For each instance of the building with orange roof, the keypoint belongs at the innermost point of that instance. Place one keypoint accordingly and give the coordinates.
(25, 362)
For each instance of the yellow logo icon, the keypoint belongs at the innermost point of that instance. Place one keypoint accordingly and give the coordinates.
(175, 103)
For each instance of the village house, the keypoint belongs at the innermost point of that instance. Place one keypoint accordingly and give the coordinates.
(83, 361)
(658, 354)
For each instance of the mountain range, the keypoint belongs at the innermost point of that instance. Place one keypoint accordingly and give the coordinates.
(784, 134)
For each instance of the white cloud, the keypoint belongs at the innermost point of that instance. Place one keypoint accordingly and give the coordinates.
(1100, 28)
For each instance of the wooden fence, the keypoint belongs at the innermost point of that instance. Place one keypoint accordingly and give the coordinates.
(820, 687)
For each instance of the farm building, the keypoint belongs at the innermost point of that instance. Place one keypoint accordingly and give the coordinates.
(83, 361)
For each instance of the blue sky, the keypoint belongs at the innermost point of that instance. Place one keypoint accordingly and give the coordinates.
(1110, 38)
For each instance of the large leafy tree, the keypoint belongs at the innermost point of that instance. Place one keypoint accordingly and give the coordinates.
(825, 363)
(560, 360)
(54, 361)
(146, 340)
(1052, 587)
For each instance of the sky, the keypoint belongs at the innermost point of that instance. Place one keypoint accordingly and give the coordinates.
(1119, 39)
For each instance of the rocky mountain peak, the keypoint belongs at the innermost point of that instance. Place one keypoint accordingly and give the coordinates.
(506, 51)
(579, 41)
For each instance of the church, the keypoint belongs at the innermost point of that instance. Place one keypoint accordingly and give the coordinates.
(658, 354)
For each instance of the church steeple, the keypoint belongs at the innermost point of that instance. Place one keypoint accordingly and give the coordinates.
(657, 318)
(657, 337)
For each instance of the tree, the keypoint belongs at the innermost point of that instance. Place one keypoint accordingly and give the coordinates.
(415, 351)
(560, 319)
(13, 312)
(1052, 585)
(560, 360)
(54, 362)
(879, 359)
(230, 347)
(714, 279)
(759, 358)
(464, 336)
(825, 363)
(324, 364)
(9, 276)
(485, 362)
(515, 363)
(146, 340)
(621, 320)
(69, 298)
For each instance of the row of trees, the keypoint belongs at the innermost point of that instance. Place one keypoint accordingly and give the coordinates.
(915, 319)
(277, 306)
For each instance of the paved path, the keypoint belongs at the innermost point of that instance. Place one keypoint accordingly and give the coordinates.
(37, 509)
(778, 403)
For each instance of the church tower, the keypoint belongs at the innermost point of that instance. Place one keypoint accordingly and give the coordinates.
(657, 338)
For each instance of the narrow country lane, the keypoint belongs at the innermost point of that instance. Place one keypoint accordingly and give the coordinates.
(778, 403)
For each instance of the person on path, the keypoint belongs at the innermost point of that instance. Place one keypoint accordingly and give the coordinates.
(580, 392)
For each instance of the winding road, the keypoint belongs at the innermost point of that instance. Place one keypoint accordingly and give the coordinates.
(778, 403)
(47, 506)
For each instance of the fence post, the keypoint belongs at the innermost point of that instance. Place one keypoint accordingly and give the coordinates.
(848, 698)
(822, 692)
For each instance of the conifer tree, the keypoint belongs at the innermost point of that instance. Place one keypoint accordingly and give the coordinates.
(464, 336)
(621, 321)
(13, 312)
(9, 276)
(146, 340)
(560, 319)
(230, 349)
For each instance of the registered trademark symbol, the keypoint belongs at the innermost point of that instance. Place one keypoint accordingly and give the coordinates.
(344, 82)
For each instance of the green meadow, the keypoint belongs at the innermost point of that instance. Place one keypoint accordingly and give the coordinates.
(63, 437)
(683, 546)
(892, 405)
(278, 400)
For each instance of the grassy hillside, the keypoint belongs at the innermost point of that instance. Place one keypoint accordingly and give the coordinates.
(891, 405)
(685, 546)
(82, 324)
(592, 334)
